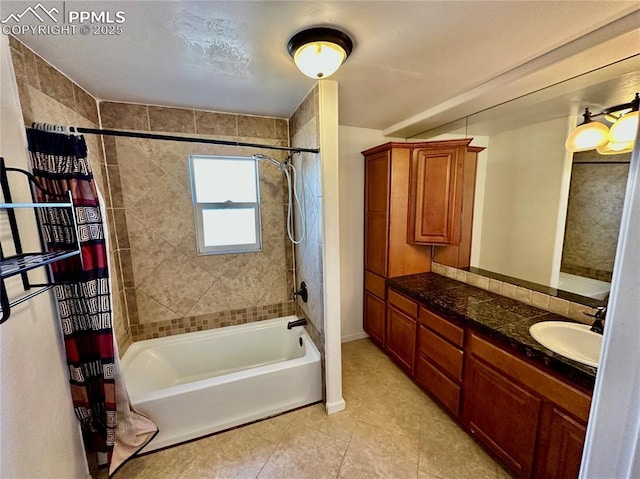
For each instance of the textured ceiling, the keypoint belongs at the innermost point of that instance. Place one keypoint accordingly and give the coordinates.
(231, 55)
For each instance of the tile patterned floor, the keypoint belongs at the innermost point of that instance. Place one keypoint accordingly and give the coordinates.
(390, 430)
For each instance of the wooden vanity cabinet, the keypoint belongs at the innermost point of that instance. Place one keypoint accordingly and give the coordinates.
(439, 359)
(532, 420)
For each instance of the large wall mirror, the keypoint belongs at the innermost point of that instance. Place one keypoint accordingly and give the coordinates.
(543, 215)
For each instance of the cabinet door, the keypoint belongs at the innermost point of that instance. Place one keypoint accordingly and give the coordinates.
(376, 212)
(502, 415)
(374, 317)
(561, 444)
(434, 196)
(401, 337)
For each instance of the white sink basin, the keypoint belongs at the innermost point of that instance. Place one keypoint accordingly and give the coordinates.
(571, 340)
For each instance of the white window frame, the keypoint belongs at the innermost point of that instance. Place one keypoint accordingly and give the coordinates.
(200, 207)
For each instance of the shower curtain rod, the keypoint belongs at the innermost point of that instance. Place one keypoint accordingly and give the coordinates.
(154, 136)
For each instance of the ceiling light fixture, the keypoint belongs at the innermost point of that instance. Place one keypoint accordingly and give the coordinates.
(318, 52)
(618, 139)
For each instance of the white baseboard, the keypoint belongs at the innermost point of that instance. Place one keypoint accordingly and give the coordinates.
(335, 407)
(346, 338)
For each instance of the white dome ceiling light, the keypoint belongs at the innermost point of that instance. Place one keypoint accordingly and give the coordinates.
(318, 52)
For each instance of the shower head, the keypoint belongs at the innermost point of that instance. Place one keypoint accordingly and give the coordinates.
(269, 159)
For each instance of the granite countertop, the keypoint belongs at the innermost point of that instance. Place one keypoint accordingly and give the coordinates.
(505, 320)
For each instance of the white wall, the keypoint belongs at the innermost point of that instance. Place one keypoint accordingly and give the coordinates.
(524, 187)
(39, 433)
(351, 173)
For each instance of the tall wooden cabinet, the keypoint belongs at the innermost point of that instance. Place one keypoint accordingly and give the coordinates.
(386, 251)
(416, 195)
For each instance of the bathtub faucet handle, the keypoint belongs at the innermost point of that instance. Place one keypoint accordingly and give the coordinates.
(302, 292)
(297, 322)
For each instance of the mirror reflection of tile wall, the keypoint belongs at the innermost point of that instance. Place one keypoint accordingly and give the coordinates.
(591, 233)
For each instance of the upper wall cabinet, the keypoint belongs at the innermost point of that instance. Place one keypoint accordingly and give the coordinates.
(441, 190)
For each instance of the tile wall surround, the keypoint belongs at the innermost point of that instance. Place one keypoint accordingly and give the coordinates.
(304, 132)
(170, 289)
(537, 299)
(48, 96)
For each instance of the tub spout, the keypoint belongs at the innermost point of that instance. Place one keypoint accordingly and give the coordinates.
(298, 322)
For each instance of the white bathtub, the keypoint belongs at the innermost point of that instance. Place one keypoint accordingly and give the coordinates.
(199, 383)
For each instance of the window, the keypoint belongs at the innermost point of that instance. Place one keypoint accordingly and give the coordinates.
(226, 203)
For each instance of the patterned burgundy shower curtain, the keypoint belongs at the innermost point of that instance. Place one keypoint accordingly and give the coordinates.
(60, 164)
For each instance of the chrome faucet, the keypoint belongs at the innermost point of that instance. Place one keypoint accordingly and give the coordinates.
(598, 324)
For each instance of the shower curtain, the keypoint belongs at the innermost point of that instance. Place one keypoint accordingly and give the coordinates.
(109, 426)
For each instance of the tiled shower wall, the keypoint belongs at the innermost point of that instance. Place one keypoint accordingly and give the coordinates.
(48, 96)
(303, 128)
(169, 288)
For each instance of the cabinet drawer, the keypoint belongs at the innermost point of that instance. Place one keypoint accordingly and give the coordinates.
(443, 388)
(444, 328)
(375, 284)
(441, 352)
(403, 303)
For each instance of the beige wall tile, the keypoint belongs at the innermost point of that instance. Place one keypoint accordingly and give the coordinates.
(212, 123)
(306, 112)
(540, 300)
(136, 176)
(509, 290)
(178, 120)
(472, 279)
(124, 116)
(122, 233)
(461, 275)
(559, 306)
(31, 69)
(176, 284)
(54, 84)
(282, 129)
(495, 286)
(166, 209)
(15, 43)
(127, 268)
(86, 105)
(110, 150)
(256, 127)
(147, 249)
(577, 313)
(151, 311)
(115, 186)
(523, 294)
(483, 282)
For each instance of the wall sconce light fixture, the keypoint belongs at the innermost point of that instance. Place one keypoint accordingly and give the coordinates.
(590, 135)
(318, 52)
